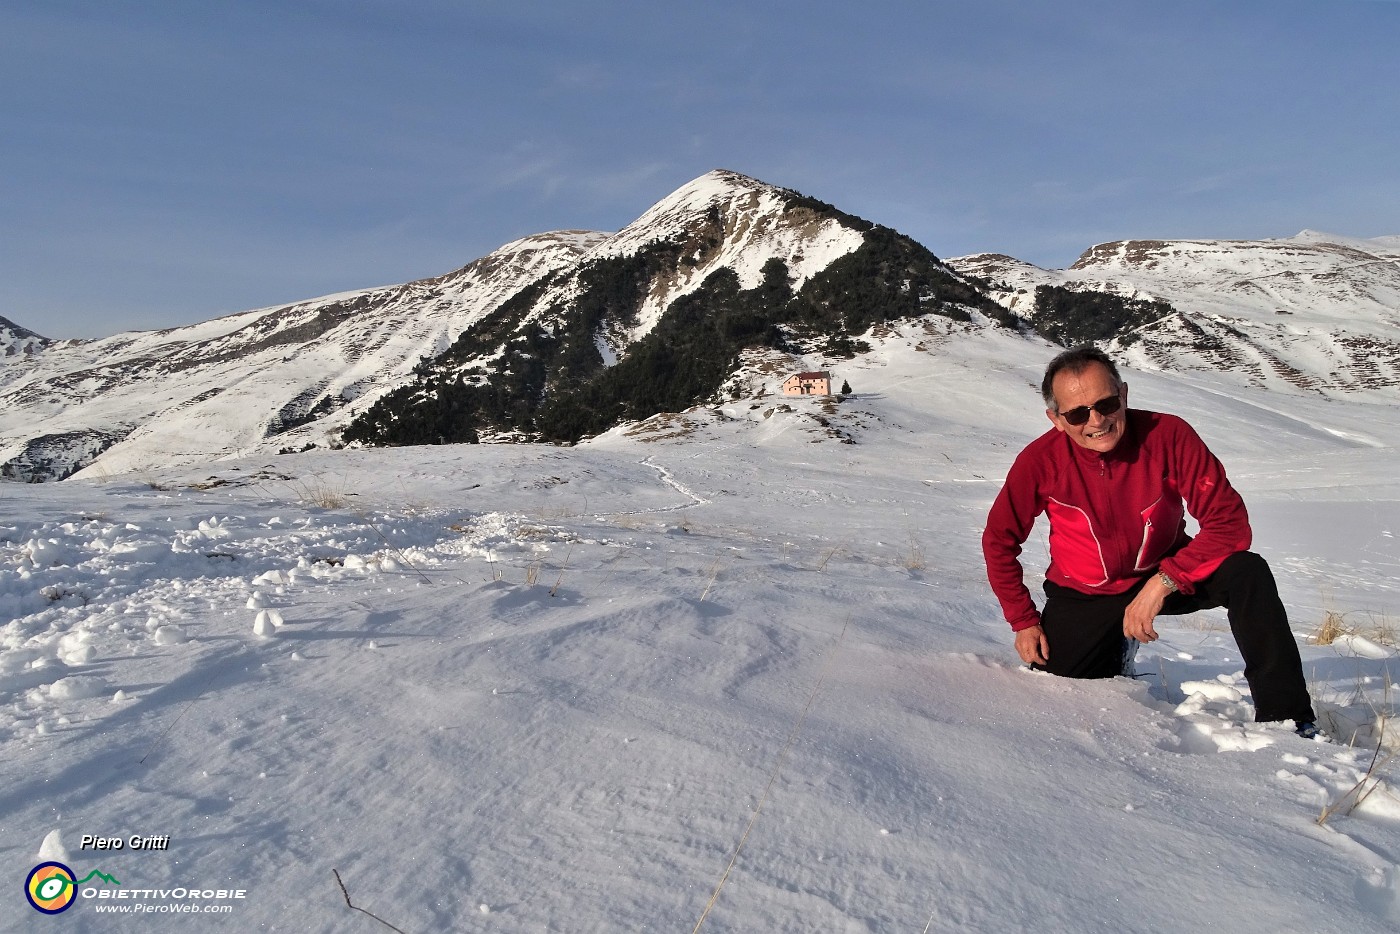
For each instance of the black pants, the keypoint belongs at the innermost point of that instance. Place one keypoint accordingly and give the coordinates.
(1085, 632)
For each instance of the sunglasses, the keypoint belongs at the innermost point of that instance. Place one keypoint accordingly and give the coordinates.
(1105, 407)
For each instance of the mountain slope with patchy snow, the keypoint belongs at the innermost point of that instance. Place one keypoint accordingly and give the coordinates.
(532, 328)
(246, 382)
(1315, 312)
(658, 319)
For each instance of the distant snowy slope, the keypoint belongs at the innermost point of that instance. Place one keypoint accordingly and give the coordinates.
(245, 382)
(1311, 312)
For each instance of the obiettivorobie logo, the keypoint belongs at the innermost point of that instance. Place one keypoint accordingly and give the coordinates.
(52, 887)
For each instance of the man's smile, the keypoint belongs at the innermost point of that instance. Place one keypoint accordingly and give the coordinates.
(1103, 432)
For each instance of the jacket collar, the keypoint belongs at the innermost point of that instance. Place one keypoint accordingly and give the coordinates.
(1124, 450)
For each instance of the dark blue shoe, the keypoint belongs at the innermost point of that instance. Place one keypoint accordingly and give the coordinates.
(1307, 729)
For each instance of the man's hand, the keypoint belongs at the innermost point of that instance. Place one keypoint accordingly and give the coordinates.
(1138, 617)
(1032, 646)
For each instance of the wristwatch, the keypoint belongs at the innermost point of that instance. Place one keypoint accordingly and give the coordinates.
(1167, 582)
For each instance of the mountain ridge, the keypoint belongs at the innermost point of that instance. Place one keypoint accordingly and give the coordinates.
(655, 318)
(1316, 311)
(561, 335)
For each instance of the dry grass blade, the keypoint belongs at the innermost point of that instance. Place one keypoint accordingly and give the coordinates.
(1382, 630)
(714, 573)
(1354, 796)
(403, 559)
(555, 589)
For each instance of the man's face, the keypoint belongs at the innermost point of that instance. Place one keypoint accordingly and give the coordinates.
(1092, 384)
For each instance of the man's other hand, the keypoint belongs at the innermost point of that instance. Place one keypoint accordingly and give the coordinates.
(1032, 646)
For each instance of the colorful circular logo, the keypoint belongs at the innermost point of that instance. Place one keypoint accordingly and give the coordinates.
(51, 888)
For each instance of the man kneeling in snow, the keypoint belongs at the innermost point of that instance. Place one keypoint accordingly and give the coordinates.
(1116, 484)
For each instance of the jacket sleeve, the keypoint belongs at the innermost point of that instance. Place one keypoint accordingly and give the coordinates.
(1009, 524)
(1213, 503)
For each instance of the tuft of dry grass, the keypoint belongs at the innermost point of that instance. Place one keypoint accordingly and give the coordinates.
(914, 560)
(827, 557)
(148, 480)
(1353, 797)
(1381, 629)
(1333, 625)
(1378, 628)
(1206, 622)
(317, 491)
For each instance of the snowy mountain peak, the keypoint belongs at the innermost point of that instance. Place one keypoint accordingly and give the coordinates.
(561, 244)
(15, 340)
(1310, 249)
(659, 318)
(714, 187)
(1377, 246)
(1315, 236)
(719, 203)
(727, 220)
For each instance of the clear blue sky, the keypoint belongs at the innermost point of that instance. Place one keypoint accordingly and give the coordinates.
(166, 161)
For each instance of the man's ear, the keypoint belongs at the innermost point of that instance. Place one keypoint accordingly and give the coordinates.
(1123, 388)
(1055, 419)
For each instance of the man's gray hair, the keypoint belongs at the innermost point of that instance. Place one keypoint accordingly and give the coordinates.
(1075, 360)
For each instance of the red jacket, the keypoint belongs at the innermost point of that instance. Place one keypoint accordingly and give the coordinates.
(1115, 517)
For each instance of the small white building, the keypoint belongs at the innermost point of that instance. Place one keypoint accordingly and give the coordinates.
(808, 384)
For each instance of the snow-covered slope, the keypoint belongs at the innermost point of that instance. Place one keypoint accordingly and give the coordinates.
(1313, 312)
(528, 688)
(246, 382)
